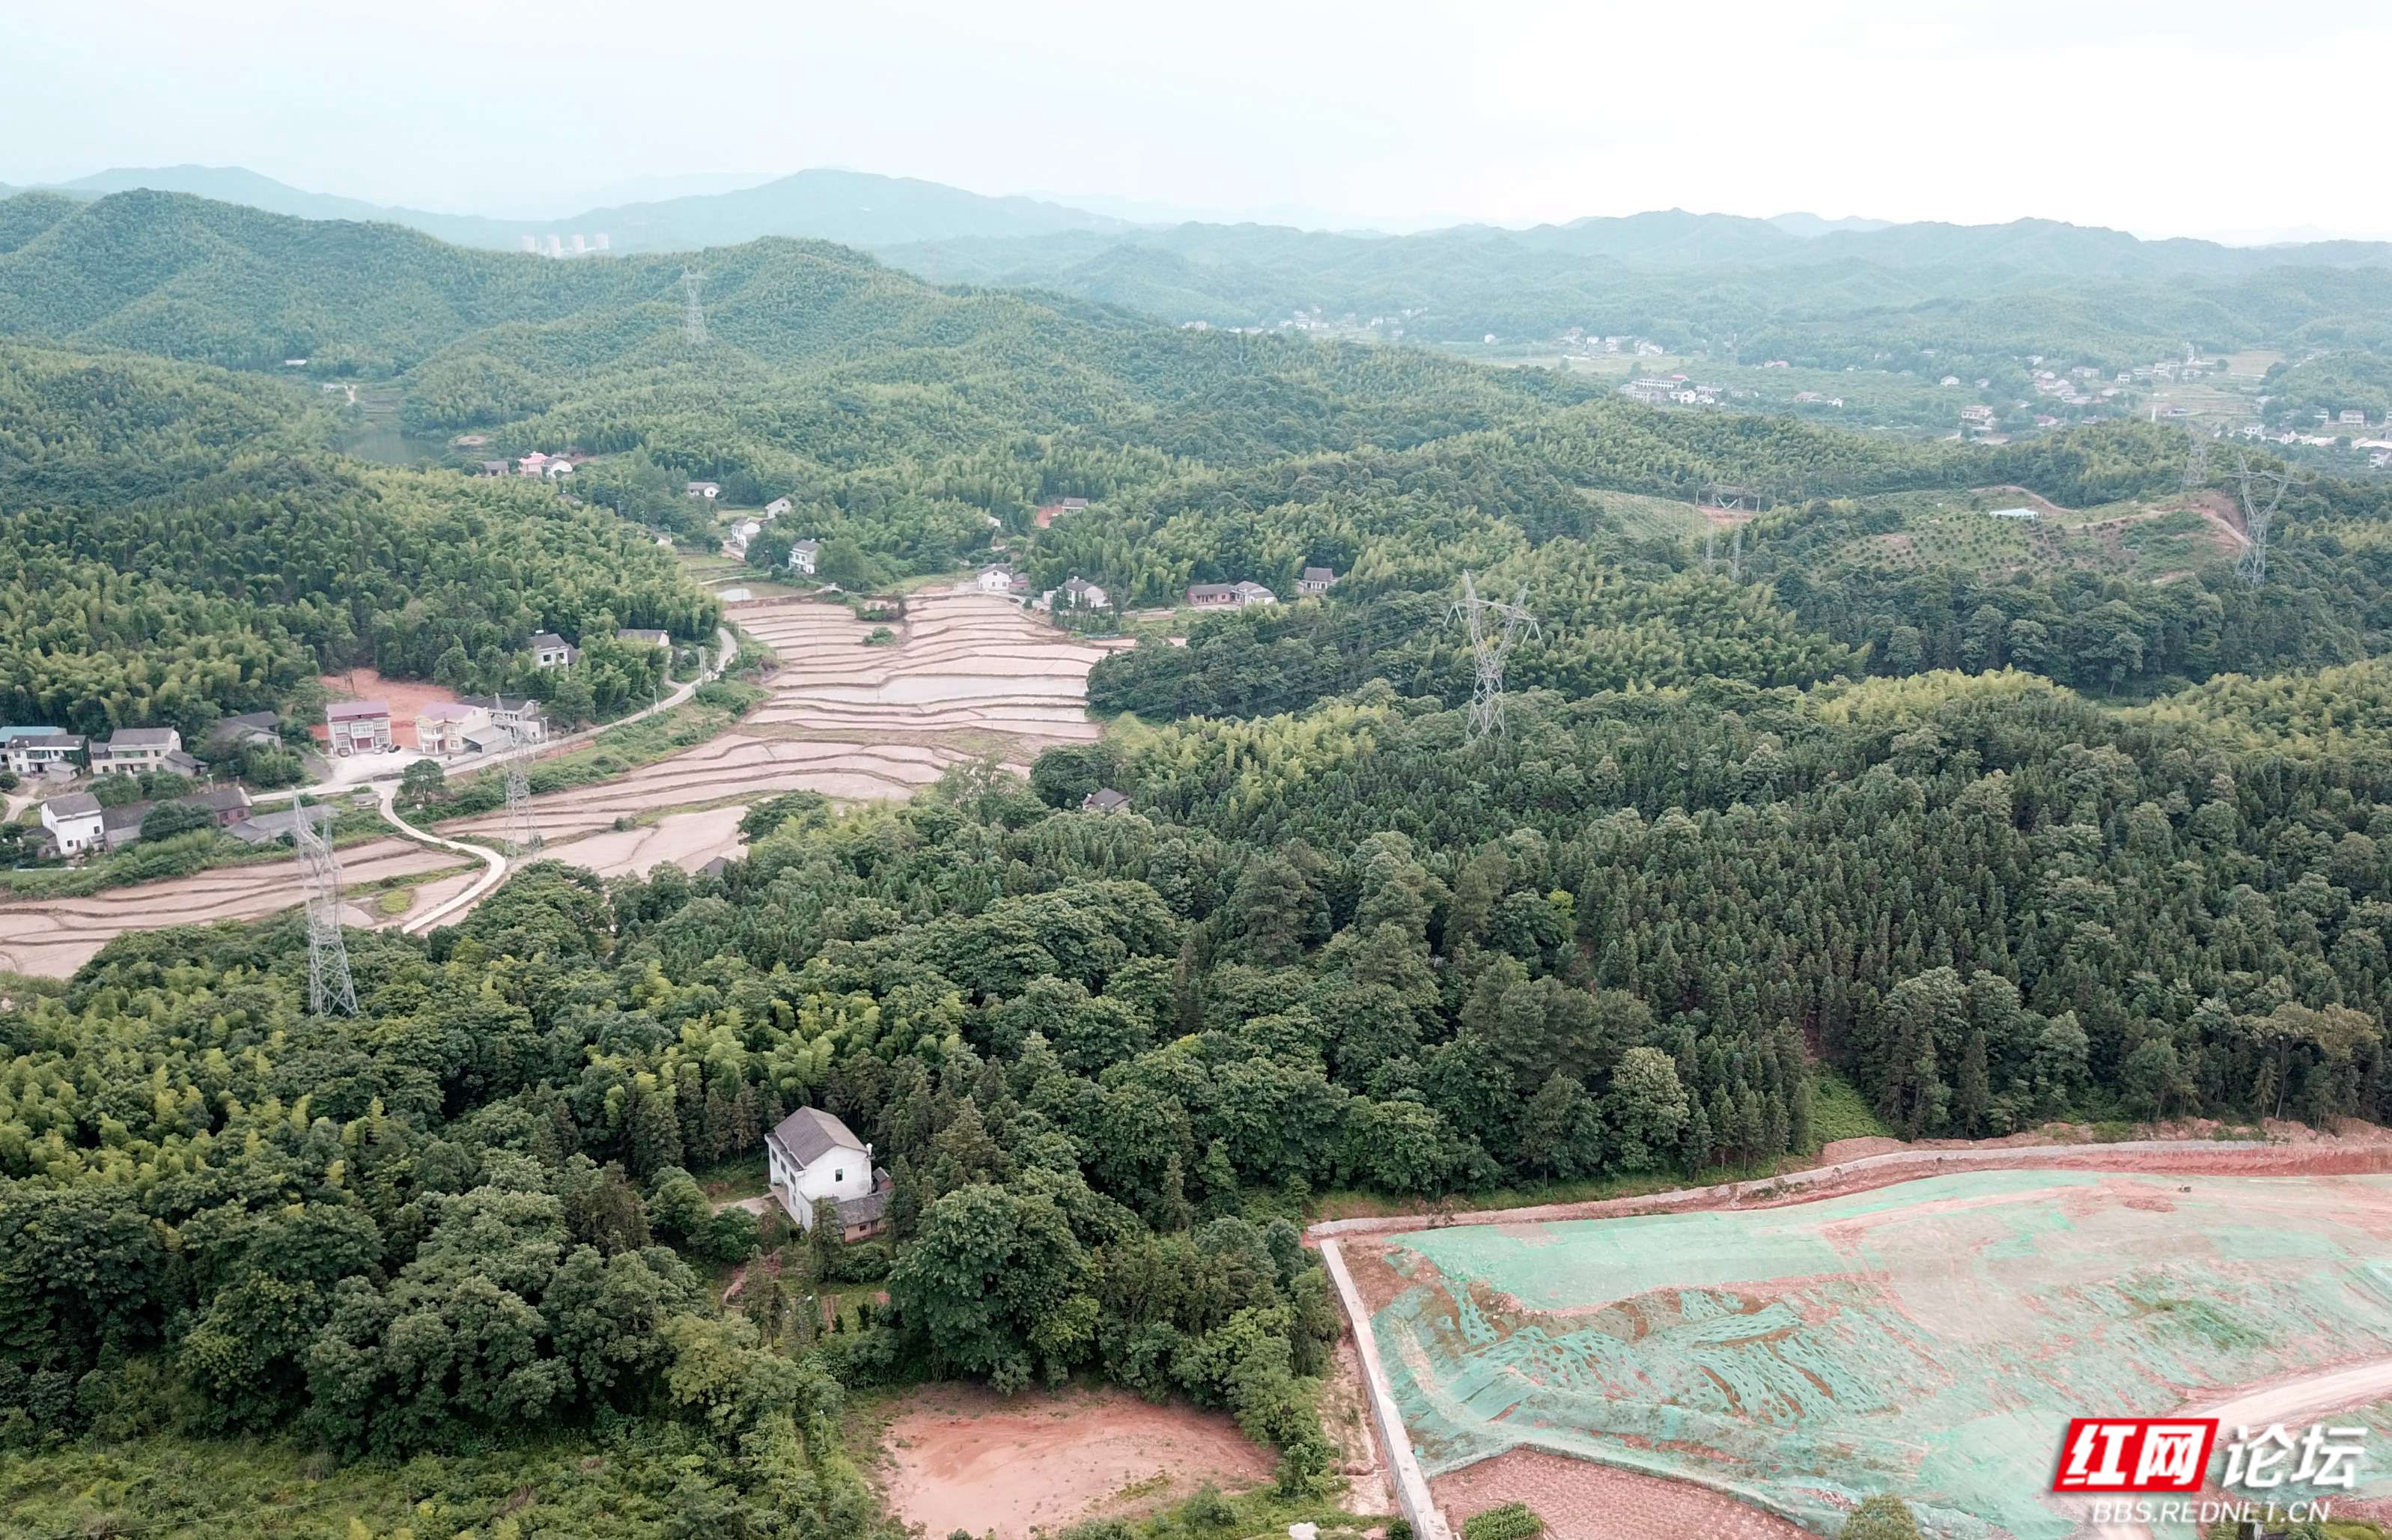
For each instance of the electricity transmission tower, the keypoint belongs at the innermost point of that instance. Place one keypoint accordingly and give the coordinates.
(693, 317)
(2196, 464)
(1735, 556)
(1494, 626)
(2261, 491)
(522, 838)
(329, 985)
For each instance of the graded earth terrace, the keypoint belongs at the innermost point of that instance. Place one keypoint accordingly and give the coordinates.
(1930, 1338)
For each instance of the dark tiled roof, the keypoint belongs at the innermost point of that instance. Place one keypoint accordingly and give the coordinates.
(809, 1132)
(141, 737)
(72, 803)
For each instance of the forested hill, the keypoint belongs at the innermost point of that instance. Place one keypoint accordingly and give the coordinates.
(1687, 281)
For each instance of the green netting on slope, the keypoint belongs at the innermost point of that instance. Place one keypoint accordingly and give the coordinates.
(1930, 1338)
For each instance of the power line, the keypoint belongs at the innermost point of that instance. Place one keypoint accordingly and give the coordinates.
(1489, 644)
(2258, 514)
(693, 318)
(329, 987)
(522, 838)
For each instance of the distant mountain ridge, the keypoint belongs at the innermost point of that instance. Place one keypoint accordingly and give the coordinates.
(853, 208)
(877, 211)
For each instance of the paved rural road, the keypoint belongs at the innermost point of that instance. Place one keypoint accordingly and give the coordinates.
(494, 866)
(2290, 1402)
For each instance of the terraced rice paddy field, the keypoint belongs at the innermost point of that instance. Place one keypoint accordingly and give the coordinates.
(52, 937)
(968, 675)
(1929, 1339)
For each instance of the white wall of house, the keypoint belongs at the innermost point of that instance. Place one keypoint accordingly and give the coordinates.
(834, 1174)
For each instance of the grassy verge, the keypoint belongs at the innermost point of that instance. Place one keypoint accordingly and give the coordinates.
(168, 1487)
(616, 751)
(1839, 1111)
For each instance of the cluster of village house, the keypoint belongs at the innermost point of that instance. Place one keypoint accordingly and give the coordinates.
(75, 824)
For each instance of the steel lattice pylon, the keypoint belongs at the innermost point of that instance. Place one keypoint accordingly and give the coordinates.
(693, 320)
(1489, 645)
(330, 987)
(522, 838)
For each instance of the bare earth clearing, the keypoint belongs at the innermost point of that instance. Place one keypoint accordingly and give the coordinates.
(969, 675)
(55, 936)
(964, 1457)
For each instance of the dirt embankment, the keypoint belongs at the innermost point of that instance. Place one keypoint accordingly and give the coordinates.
(2364, 1149)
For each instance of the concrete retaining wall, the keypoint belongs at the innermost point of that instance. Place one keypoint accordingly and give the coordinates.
(1413, 1497)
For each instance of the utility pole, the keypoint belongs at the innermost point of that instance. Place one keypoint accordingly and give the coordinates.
(693, 320)
(1490, 643)
(2261, 491)
(1735, 556)
(522, 838)
(330, 987)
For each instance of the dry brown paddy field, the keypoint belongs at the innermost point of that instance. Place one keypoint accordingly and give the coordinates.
(52, 937)
(969, 675)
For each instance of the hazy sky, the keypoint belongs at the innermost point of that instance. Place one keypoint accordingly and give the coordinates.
(2160, 116)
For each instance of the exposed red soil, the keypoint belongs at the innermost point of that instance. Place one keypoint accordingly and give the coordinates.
(1580, 1500)
(965, 1458)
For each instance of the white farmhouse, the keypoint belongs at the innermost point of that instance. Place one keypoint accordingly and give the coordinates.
(75, 821)
(996, 580)
(812, 1155)
(803, 555)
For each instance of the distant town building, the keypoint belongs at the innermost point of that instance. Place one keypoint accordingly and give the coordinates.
(775, 508)
(996, 580)
(803, 555)
(1104, 800)
(1082, 594)
(1253, 594)
(1211, 595)
(1049, 512)
(707, 489)
(2027, 514)
(1316, 579)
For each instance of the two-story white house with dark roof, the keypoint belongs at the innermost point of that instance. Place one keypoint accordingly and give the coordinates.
(811, 1156)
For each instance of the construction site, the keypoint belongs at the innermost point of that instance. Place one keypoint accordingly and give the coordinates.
(1757, 1363)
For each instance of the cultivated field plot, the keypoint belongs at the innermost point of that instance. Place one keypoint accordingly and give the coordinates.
(965, 675)
(1929, 1339)
(52, 937)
